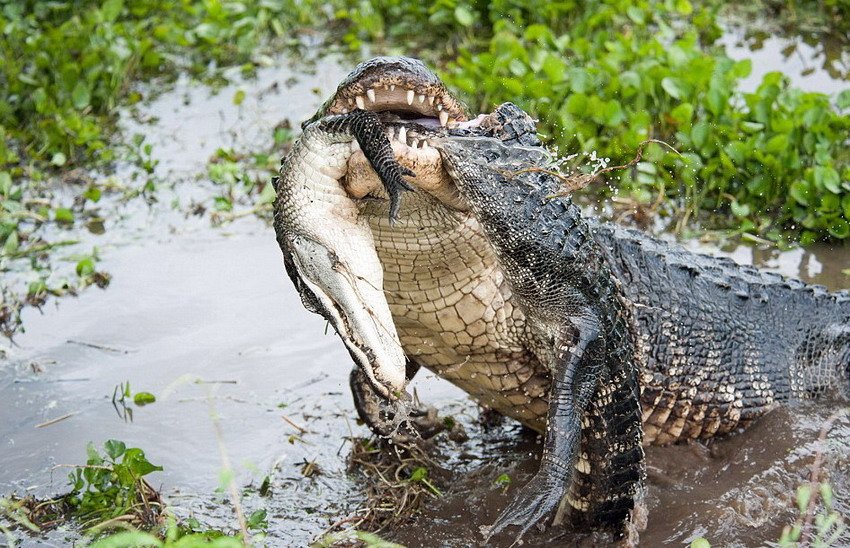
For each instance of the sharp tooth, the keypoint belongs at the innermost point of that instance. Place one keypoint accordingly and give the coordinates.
(345, 111)
(414, 143)
(410, 95)
(444, 118)
(431, 100)
(439, 106)
(421, 98)
(424, 145)
(371, 94)
(402, 134)
(361, 103)
(355, 146)
(392, 87)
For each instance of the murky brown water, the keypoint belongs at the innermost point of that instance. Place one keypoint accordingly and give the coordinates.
(207, 321)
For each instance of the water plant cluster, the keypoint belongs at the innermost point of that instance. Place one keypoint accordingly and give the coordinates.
(605, 75)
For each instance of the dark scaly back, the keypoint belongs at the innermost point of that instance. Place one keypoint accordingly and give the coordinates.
(552, 261)
(722, 342)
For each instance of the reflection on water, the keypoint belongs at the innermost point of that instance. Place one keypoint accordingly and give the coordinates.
(813, 61)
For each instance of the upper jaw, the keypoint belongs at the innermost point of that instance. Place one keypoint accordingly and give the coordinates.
(398, 84)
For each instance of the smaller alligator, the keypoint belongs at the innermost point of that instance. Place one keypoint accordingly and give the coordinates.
(334, 266)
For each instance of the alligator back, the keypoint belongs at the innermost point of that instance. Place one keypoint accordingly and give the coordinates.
(722, 342)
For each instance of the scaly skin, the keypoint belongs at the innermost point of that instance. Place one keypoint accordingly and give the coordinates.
(562, 280)
(723, 343)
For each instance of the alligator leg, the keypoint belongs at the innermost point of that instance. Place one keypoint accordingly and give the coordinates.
(366, 127)
(374, 410)
(579, 357)
(610, 473)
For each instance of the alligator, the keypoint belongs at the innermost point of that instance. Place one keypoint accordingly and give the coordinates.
(694, 346)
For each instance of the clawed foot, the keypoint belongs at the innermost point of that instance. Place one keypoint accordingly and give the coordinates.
(530, 506)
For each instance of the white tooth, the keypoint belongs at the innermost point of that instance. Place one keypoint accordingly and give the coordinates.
(345, 111)
(410, 95)
(355, 146)
(424, 145)
(392, 87)
(431, 100)
(361, 103)
(421, 98)
(414, 143)
(439, 106)
(371, 94)
(402, 134)
(444, 118)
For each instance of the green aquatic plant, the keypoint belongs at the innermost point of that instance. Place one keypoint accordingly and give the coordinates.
(605, 75)
(111, 488)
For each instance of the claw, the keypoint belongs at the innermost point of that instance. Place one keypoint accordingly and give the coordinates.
(529, 507)
(395, 186)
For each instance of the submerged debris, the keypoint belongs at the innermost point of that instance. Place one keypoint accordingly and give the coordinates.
(397, 478)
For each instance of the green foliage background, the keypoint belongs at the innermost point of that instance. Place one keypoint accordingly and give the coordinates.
(601, 75)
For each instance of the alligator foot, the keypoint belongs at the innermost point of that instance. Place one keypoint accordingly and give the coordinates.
(422, 422)
(529, 507)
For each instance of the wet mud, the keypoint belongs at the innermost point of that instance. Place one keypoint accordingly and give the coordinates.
(207, 321)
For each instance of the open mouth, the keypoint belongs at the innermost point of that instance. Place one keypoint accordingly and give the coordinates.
(415, 107)
(401, 86)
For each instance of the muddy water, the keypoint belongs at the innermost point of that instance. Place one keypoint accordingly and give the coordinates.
(206, 320)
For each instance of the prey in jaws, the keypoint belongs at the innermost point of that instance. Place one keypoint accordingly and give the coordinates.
(327, 247)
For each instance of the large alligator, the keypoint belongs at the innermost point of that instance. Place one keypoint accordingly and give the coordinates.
(704, 346)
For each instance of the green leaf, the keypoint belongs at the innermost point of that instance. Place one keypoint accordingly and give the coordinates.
(81, 95)
(700, 543)
(114, 448)
(85, 267)
(267, 196)
(12, 243)
(238, 97)
(716, 101)
(699, 134)
(419, 474)
(503, 479)
(828, 178)
(752, 127)
(63, 215)
(739, 210)
(801, 192)
(464, 16)
(136, 462)
(143, 398)
(129, 538)
(843, 100)
(258, 520)
(839, 228)
(111, 9)
(517, 67)
(673, 87)
(93, 194)
(58, 159)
